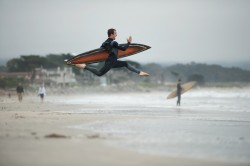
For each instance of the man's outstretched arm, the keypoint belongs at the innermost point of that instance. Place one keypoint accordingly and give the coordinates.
(123, 48)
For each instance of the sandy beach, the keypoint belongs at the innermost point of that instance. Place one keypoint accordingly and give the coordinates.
(34, 134)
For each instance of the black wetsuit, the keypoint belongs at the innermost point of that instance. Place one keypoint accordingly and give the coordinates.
(112, 47)
(179, 94)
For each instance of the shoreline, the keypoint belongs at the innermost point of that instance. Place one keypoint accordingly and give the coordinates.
(39, 134)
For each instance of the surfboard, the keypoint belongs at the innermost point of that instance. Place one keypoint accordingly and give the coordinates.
(100, 54)
(185, 87)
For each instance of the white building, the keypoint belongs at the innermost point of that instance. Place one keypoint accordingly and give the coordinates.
(57, 76)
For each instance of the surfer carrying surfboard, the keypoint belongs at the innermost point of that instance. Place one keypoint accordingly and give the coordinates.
(112, 47)
(179, 88)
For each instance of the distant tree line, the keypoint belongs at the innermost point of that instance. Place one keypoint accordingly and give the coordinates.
(202, 73)
(209, 73)
(28, 63)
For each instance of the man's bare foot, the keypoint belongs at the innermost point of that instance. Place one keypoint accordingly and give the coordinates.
(143, 73)
(82, 66)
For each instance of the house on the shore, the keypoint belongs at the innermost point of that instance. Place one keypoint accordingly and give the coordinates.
(55, 77)
(52, 77)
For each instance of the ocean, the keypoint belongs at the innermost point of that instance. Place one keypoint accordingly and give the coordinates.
(211, 123)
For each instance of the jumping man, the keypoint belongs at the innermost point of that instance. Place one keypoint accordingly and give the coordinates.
(112, 47)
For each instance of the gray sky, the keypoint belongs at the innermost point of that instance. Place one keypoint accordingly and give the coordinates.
(177, 30)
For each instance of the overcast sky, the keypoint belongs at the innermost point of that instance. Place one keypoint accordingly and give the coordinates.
(177, 30)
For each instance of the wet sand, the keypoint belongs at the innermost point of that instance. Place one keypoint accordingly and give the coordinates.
(34, 134)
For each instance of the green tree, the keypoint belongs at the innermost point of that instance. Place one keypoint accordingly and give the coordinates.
(26, 63)
(56, 60)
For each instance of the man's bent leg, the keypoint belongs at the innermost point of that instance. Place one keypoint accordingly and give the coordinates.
(119, 64)
(130, 67)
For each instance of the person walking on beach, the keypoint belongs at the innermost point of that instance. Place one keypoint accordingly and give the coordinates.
(112, 47)
(179, 92)
(42, 92)
(19, 90)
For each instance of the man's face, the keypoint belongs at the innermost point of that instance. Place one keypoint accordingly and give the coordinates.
(114, 35)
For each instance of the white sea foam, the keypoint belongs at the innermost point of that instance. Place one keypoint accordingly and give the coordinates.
(235, 99)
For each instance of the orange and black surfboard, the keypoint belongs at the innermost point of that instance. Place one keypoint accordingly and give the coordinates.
(101, 54)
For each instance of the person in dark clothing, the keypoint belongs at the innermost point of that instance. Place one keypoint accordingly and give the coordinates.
(179, 92)
(19, 90)
(112, 47)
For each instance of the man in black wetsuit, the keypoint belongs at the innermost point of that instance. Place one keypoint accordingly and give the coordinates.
(179, 92)
(112, 47)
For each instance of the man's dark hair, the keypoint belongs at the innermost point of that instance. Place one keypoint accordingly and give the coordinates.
(111, 31)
